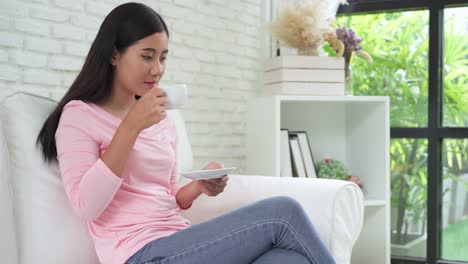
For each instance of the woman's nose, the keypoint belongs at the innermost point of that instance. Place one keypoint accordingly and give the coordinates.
(157, 68)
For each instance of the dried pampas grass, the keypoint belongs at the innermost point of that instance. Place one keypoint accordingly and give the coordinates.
(302, 25)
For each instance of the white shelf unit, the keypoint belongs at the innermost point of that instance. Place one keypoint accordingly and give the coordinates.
(352, 129)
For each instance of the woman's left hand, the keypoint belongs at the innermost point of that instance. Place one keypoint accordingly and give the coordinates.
(213, 187)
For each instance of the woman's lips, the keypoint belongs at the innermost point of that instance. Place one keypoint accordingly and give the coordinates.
(149, 84)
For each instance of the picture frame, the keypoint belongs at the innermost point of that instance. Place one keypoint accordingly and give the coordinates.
(296, 157)
(306, 152)
(285, 154)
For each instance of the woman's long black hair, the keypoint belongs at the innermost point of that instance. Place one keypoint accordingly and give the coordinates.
(122, 27)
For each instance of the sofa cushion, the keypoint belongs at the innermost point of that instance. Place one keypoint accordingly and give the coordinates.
(46, 225)
(47, 229)
(184, 150)
(8, 246)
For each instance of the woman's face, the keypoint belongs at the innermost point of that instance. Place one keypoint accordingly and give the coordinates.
(142, 65)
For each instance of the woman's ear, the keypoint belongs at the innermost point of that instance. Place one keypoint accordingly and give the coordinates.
(115, 57)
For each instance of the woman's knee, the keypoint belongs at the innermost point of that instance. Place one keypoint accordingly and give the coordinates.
(284, 204)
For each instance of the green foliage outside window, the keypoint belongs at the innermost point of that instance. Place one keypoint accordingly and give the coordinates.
(399, 44)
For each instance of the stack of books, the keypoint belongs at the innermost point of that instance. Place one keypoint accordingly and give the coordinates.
(296, 155)
(304, 75)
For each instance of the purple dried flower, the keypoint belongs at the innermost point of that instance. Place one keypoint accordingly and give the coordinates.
(350, 41)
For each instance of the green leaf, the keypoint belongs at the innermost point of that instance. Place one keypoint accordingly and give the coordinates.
(329, 50)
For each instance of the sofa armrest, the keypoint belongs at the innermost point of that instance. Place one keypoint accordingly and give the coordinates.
(336, 208)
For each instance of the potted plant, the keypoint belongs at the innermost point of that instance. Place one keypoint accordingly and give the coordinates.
(330, 168)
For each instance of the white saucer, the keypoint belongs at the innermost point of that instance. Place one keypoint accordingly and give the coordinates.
(207, 174)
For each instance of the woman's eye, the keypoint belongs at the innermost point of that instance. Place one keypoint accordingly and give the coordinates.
(163, 59)
(147, 58)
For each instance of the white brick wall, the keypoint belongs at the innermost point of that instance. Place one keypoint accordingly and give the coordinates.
(215, 48)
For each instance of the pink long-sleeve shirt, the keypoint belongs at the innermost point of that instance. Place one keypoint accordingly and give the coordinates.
(123, 214)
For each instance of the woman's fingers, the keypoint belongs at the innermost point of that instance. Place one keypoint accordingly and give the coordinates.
(214, 165)
(163, 101)
(210, 192)
(158, 92)
(160, 102)
(216, 186)
(220, 181)
(213, 188)
(159, 107)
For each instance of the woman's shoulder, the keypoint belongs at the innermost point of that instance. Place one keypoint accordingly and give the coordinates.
(76, 110)
(76, 105)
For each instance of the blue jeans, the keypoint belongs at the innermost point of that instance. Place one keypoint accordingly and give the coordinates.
(274, 230)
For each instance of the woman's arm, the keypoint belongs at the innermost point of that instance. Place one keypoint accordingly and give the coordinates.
(147, 111)
(89, 182)
(187, 194)
(117, 152)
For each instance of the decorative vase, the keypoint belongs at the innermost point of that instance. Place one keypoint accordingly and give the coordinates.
(348, 79)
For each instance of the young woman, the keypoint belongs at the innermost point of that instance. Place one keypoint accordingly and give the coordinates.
(115, 145)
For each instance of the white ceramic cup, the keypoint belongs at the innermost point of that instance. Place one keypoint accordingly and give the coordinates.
(176, 95)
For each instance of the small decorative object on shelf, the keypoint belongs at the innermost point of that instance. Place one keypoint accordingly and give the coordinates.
(330, 168)
(303, 75)
(302, 25)
(345, 43)
(356, 180)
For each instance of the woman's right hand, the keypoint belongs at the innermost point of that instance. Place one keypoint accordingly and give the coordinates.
(150, 109)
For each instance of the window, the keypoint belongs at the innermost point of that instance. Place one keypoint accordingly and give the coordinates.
(398, 43)
(420, 51)
(455, 88)
(409, 197)
(455, 200)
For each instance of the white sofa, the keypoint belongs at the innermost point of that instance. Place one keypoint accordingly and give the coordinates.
(37, 224)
